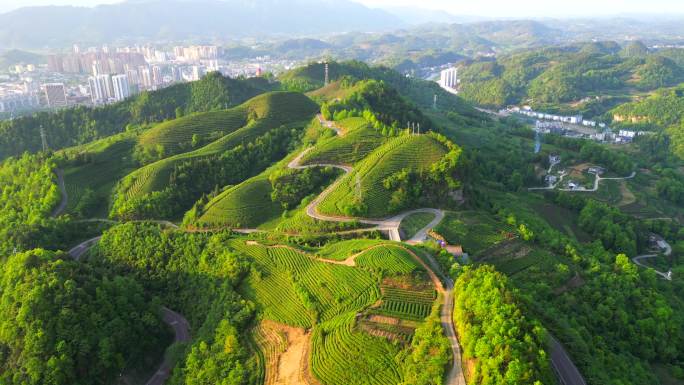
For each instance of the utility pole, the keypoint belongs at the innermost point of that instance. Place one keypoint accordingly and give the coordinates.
(327, 74)
(43, 138)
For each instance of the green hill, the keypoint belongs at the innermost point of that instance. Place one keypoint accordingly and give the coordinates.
(363, 187)
(418, 91)
(262, 115)
(181, 135)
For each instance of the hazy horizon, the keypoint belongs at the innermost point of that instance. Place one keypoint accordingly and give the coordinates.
(488, 8)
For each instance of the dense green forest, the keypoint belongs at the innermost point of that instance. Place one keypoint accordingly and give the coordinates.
(69, 323)
(80, 125)
(565, 74)
(504, 345)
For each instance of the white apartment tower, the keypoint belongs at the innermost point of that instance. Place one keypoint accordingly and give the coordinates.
(449, 79)
(121, 87)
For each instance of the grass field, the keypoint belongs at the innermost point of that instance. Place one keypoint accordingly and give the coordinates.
(475, 231)
(414, 222)
(343, 355)
(295, 289)
(359, 140)
(263, 113)
(561, 219)
(176, 135)
(365, 181)
(106, 162)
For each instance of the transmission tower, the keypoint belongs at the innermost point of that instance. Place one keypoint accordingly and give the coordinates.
(43, 138)
(327, 74)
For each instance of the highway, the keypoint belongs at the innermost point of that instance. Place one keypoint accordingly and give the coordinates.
(562, 365)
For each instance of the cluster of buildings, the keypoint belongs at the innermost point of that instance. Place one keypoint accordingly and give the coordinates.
(574, 119)
(101, 75)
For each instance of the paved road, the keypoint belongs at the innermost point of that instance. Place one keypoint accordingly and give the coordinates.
(668, 251)
(595, 188)
(562, 365)
(390, 224)
(182, 330)
(455, 375)
(63, 203)
(179, 324)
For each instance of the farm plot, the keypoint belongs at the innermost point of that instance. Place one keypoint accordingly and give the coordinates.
(405, 304)
(474, 231)
(414, 222)
(342, 355)
(339, 251)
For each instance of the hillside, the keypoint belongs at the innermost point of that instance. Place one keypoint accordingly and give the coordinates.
(565, 74)
(80, 125)
(417, 91)
(274, 113)
(358, 140)
(363, 190)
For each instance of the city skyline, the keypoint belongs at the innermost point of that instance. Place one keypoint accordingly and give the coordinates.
(489, 8)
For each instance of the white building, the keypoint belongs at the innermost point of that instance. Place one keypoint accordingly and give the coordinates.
(448, 79)
(121, 87)
(157, 79)
(55, 94)
(101, 88)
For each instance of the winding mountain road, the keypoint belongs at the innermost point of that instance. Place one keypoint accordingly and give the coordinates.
(175, 320)
(668, 251)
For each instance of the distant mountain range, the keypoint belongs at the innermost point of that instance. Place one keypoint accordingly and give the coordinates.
(38, 27)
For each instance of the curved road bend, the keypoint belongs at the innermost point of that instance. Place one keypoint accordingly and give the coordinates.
(667, 253)
(179, 324)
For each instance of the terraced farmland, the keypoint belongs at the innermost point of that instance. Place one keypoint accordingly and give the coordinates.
(246, 205)
(414, 222)
(263, 113)
(390, 259)
(340, 251)
(176, 135)
(105, 162)
(414, 152)
(405, 304)
(343, 355)
(359, 140)
(295, 289)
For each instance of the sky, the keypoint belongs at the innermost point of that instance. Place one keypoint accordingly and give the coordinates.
(490, 8)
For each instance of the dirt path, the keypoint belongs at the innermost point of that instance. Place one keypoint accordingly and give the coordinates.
(289, 372)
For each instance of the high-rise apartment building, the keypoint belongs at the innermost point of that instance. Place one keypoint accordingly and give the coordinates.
(449, 79)
(121, 87)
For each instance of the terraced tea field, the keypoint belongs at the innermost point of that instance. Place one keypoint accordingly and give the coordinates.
(263, 113)
(295, 289)
(176, 135)
(405, 304)
(359, 140)
(365, 182)
(246, 205)
(340, 251)
(390, 259)
(343, 355)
